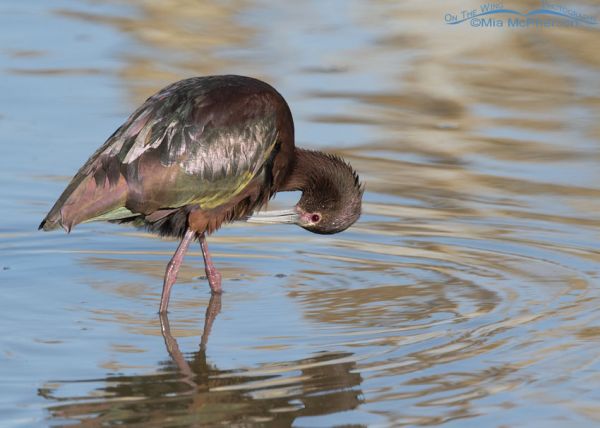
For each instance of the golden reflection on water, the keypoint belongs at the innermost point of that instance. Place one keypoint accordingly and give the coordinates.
(473, 274)
(186, 34)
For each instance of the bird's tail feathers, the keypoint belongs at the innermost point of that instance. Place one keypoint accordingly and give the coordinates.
(52, 222)
(88, 198)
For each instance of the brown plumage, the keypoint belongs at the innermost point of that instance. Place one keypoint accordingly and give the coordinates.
(202, 152)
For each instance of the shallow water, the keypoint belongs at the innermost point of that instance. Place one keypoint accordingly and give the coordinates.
(467, 294)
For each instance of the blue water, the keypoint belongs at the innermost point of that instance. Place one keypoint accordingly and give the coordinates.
(466, 295)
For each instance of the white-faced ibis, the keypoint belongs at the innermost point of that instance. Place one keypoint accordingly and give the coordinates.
(202, 152)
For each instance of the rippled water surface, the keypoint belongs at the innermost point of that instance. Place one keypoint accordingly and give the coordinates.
(468, 294)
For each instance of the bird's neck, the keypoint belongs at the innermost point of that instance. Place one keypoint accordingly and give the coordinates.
(309, 169)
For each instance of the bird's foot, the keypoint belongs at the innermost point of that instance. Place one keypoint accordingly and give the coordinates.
(214, 280)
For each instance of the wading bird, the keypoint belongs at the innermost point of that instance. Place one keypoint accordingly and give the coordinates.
(202, 152)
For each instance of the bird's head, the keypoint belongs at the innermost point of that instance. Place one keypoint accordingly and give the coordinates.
(333, 203)
(331, 199)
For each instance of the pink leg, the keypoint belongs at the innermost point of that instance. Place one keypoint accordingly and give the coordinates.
(213, 275)
(173, 268)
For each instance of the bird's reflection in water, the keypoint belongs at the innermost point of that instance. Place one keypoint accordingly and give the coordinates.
(191, 376)
(194, 392)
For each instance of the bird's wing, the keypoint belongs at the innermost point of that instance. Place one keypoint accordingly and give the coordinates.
(198, 149)
(184, 145)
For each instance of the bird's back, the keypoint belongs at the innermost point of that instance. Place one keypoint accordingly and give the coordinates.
(200, 143)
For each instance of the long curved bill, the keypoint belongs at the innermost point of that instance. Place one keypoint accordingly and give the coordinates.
(275, 217)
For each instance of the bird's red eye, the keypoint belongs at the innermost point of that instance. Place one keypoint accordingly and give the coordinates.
(315, 218)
